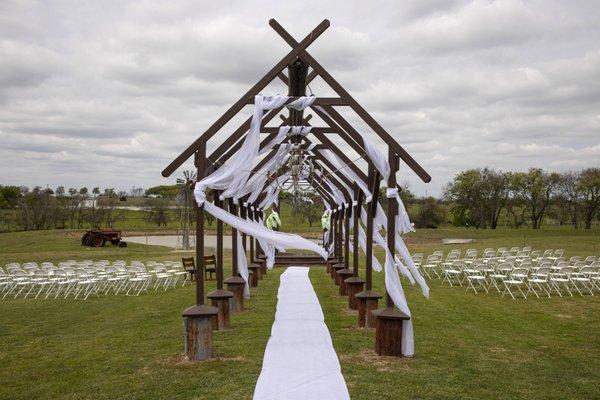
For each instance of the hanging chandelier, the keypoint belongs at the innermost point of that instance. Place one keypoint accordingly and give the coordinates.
(300, 169)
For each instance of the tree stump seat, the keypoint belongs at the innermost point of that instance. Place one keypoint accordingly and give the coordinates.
(354, 286)
(342, 275)
(235, 284)
(388, 331)
(335, 269)
(368, 301)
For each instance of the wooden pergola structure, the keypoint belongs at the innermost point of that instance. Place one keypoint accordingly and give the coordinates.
(201, 319)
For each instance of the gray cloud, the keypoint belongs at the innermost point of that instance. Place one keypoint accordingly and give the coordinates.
(459, 84)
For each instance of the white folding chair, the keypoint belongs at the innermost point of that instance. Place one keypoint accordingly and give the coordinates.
(476, 277)
(453, 273)
(561, 279)
(430, 267)
(538, 282)
(516, 281)
(500, 273)
(582, 280)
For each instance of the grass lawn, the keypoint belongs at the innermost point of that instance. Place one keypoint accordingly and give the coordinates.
(468, 346)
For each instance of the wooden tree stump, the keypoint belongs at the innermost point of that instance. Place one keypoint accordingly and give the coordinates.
(344, 274)
(198, 332)
(332, 270)
(330, 264)
(263, 268)
(355, 285)
(367, 301)
(388, 331)
(221, 299)
(235, 284)
(254, 274)
(335, 269)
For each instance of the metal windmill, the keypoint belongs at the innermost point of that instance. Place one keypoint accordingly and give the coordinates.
(185, 198)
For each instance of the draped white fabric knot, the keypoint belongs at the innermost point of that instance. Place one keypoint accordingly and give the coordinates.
(391, 193)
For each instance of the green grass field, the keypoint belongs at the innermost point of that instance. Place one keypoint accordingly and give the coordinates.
(468, 346)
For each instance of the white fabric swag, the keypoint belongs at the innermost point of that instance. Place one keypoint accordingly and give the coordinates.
(347, 172)
(278, 239)
(234, 174)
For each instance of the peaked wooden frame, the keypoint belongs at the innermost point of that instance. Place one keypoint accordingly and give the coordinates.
(298, 61)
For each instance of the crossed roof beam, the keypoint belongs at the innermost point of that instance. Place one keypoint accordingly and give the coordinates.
(323, 107)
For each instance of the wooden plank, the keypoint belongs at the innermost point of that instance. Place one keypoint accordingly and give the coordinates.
(239, 135)
(318, 129)
(254, 90)
(200, 162)
(219, 267)
(234, 263)
(283, 77)
(358, 194)
(319, 101)
(392, 210)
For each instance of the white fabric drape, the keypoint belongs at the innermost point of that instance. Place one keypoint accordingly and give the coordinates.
(277, 239)
(347, 172)
(255, 185)
(242, 264)
(283, 130)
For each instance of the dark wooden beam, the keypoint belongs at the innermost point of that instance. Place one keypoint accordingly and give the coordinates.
(392, 210)
(319, 101)
(219, 256)
(284, 78)
(240, 134)
(200, 162)
(318, 129)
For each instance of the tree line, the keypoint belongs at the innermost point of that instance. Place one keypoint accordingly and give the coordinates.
(479, 197)
(40, 208)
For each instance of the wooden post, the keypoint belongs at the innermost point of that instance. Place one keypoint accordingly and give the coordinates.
(243, 214)
(198, 319)
(252, 255)
(340, 232)
(346, 272)
(258, 250)
(388, 333)
(235, 283)
(220, 298)
(368, 299)
(297, 72)
(355, 283)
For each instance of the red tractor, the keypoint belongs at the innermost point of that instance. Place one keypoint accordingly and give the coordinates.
(99, 237)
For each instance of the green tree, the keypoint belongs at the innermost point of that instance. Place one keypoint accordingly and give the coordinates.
(430, 214)
(9, 196)
(159, 215)
(535, 188)
(477, 197)
(589, 184)
(166, 191)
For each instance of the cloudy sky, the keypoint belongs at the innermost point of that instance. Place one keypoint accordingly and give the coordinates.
(108, 93)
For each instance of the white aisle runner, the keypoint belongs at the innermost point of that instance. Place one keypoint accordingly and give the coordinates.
(300, 362)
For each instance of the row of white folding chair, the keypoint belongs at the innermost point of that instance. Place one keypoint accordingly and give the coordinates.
(537, 280)
(92, 279)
